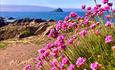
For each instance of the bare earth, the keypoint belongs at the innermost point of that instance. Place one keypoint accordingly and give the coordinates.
(18, 54)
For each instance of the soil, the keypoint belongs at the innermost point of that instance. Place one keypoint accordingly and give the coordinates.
(18, 54)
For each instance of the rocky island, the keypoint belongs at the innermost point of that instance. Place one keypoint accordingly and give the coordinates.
(58, 10)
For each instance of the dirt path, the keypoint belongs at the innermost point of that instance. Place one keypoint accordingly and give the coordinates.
(17, 54)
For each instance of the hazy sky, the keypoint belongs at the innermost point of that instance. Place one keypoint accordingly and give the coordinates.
(53, 3)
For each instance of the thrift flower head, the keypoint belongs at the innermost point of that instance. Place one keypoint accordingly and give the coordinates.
(93, 26)
(100, 13)
(61, 37)
(60, 21)
(73, 15)
(53, 33)
(108, 39)
(113, 10)
(80, 61)
(71, 67)
(105, 1)
(41, 51)
(41, 57)
(108, 24)
(65, 60)
(53, 68)
(83, 33)
(39, 64)
(55, 50)
(54, 63)
(71, 25)
(49, 46)
(70, 41)
(106, 8)
(95, 66)
(98, 5)
(61, 66)
(83, 6)
(108, 17)
(97, 32)
(58, 27)
(28, 67)
(62, 47)
(64, 26)
(110, 4)
(66, 18)
(86, 21)
(88, 8)
(54, 54)
(46, 53)
(96, 9)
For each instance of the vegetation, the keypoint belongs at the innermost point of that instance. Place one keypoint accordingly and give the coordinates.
(81, 43)
(2, 45)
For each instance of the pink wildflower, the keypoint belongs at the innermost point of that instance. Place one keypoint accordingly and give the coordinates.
(86, 21)
(65, 60)
(108, 17)
(88, 8)
(73, 15)
(93, 26)
(46, 53)
(71, 67)
(106, 8)
(61, 66)
(113, 10)
(66, 18)
(27, 67)
(64, 26)
(108, 24)
(54, 63)
(108, 39)
(53, 68)
(98, 5)
(83, 33)
(80, 61)
(95, 66)
(110, 4)
(105, 1)
(39, 64)
(97, 32)
(70, 41)
(83, 6)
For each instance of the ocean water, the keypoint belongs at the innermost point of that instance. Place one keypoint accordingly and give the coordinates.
(42, 15)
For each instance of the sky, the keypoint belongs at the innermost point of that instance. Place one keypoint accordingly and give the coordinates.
(53, 3)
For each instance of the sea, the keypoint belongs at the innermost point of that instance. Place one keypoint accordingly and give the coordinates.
(42, 15)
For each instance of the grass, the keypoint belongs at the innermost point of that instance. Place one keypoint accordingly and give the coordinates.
(2, 45)
(94, 48)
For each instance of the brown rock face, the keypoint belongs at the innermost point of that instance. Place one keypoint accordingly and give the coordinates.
(23, 29)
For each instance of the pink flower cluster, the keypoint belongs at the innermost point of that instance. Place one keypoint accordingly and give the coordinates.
(55, 53)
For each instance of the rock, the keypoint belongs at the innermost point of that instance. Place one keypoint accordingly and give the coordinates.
(58, 10)
(22, 28)
(51, 20)
(2, 21)
(47, 30)
(11, 18)
(42, 28)
(39, 20)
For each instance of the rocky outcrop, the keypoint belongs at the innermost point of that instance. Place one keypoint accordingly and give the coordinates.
(24, 28)
(2, 21)
(58, 10)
